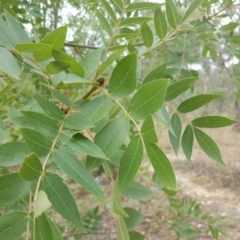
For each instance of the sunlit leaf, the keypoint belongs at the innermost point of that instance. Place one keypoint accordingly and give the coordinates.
(42, 203)
(160, 23)
(109, 10)
(172, 14)
(194, 4)
(134, 20)
(147, 35)
(140, 6)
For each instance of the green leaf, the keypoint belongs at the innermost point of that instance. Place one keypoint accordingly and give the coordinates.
(55, 231)
(122, 228)
(110, 139)
(137, 191)
(77, 171)
(147, 35)
(6, 36)
(177, 88)
(42, 203)
(83, 145)
(212, 122)
(31, 168)
(177, 129)
(62, 98)
(56, 38)
(148, 99)
(97, 108)
(160, 23)
(16, 28)
(162, 166)
(230, 26)
(41, 123)
(13, 225)
(12, 188)
(43, 230)
(123, 80)
(130, 163)
(208, 145)
(12, 153)
(57, 66)
(196, 102)
(61, 199)
(157, 73)
(91, 61)
(36, 142)
(75, 66)
(194, 4)
(136, 236)
(78, 121)
(118, 5)
(8, 63)
(40, 51)
(117, 205)
(140, 6)
(5, 90)
(109, 10)
(50, 108)
(134, 20)
(236, 39)
(214, 231)
(104, 23)
(172, 14)
(147, 130)
(71, 78)
(134, 218)
(187, 142)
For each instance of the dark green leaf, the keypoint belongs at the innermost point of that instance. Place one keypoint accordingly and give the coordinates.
(12, 153)
(55, 231)
(177, 129)
(123, 79)
(147, 35)
(157, 73)
(236, 39)
(196, 102)
(61, 199)
(148, 99)
(177, 88)
(50, 108)
(8, 63)
(187, 142)
(172, 14)
(12, 188)
(136, 236)
(208, 145)
(137, 191)
(148, 132)
(31, 168)
(162, 166)
(57, 66)
(36, 142)
(130, 163)
(104, 23)
(77, 171)
(43, 230)
(75, 67)
(134, 218)
(13, 225)
(160, 23)
(212, 122)
(56, 38)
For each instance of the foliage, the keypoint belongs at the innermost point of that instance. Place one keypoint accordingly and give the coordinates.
(69, 120)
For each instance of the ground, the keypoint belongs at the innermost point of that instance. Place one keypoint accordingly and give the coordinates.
(215, 187)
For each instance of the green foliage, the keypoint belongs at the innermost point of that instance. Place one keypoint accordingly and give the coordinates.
(65, 120)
